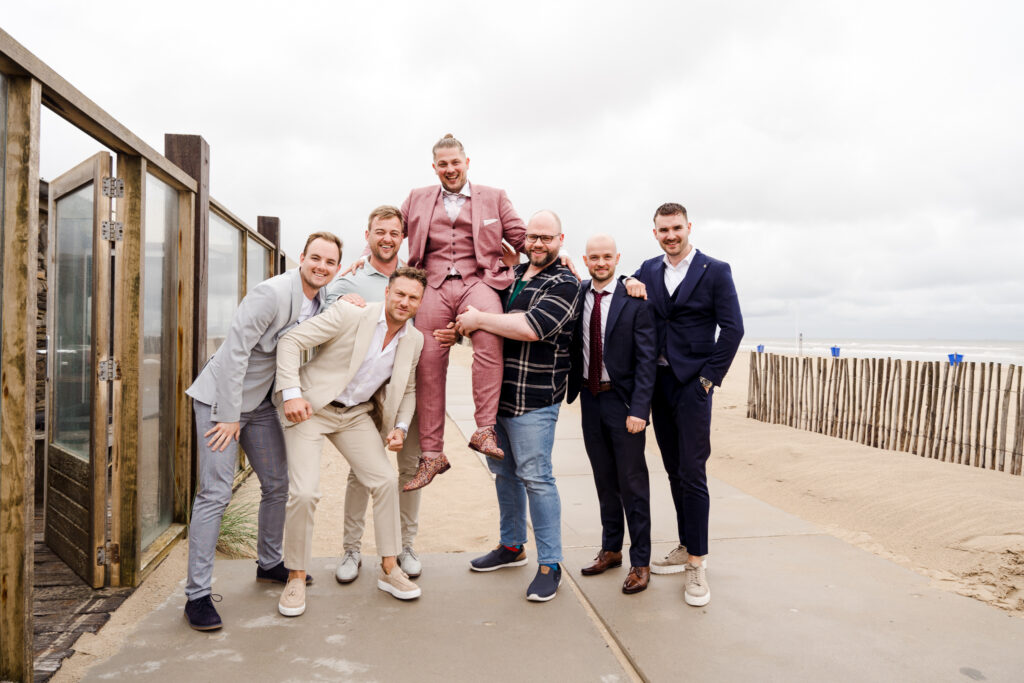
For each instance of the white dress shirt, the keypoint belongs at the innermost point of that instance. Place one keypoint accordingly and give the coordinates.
(453, 201)
(674, 274)
(588, 309)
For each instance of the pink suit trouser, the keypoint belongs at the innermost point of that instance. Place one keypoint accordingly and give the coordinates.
(439, 307)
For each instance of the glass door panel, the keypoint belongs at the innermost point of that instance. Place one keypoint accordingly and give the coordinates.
(78, 310)
(155, 456)
(257, 263)
(224, 289)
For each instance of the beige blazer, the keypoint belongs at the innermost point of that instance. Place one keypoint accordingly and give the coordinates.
(344, 332)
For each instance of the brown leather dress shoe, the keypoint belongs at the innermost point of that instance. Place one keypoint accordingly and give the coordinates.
(485, 440)
(636, 580)
(606, 559)
(426, 471)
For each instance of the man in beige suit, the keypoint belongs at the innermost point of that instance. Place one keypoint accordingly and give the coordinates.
(360, 392)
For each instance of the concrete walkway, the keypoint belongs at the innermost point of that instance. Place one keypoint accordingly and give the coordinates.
(789, 603)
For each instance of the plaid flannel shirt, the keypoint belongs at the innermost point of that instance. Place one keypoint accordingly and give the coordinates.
(536, 373)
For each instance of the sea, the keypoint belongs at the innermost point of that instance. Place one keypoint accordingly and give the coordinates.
(1005, 352)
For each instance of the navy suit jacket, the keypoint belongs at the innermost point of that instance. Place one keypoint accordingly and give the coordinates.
(686, 323)
(629, 351)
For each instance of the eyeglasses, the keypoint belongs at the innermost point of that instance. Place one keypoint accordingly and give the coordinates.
(546, 239)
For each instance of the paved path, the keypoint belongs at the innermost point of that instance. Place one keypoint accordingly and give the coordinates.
(789, 603)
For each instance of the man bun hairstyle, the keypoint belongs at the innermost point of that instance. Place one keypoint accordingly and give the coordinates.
(448, 141)
(384, 212)
(328, 236)
(417, 274)
(670, 209)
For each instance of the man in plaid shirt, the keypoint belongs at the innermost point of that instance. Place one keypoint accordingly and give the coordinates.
(541, 308)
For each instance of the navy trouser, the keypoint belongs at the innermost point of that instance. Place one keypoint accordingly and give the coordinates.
(681, 413)
(620, 474)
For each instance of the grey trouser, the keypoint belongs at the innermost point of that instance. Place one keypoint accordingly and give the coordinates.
(357, 496)
(263, 440)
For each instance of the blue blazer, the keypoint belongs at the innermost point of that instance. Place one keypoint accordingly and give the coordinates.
(629, 351)
(686, 323)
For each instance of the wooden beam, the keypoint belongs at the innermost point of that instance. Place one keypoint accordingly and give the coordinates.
(69, 103)
(17, 374)
(128, 338)
(270, 227)
(192, 154)
(183, 356)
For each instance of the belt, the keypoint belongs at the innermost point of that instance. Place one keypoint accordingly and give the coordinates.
(339, 404)
(603, 386)
(453, 276)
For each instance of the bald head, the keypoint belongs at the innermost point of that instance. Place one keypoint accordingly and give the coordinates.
(543, 238)
(601, 241)
(600, 258)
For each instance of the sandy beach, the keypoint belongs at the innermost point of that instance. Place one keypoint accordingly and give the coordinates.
(960, 526)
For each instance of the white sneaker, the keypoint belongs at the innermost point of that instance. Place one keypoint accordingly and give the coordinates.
(409, 563)
(697, 592)
(675, 562)
(398, 584)
(348, 568)
(293, 598)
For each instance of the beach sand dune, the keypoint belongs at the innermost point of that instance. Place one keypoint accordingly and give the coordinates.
(962, 526)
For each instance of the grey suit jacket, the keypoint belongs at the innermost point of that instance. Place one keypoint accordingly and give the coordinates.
(343, 334)
(239, 375)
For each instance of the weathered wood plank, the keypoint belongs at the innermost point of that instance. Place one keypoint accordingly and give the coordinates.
(18, 372)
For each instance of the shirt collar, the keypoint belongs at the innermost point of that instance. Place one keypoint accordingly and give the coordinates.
(382, 321)
(607, 291)
(685, 263)
(466, 191)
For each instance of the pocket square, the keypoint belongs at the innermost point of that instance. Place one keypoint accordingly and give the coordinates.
(488, 221)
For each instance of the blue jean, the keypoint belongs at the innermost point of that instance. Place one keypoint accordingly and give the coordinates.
(524, 477)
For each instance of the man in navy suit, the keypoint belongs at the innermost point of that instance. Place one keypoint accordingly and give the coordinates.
(690, 294)
(613, 366)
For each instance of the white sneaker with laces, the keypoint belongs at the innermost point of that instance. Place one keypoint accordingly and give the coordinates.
(410, 563)
(697, 592)
(348, 568)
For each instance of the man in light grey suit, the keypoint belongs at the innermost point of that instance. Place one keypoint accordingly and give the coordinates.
(231, 398)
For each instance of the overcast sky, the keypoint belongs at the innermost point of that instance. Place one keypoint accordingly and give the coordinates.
(860, 165)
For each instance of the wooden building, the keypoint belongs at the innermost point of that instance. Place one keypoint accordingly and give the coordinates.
(142, 271)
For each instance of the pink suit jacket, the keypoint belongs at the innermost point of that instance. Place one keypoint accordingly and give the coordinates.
(493, 219)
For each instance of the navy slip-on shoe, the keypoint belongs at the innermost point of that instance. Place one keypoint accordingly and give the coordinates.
(277, 574)
(544, 584)
(498, 558)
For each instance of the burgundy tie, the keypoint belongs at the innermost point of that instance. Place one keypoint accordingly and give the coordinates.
(596, 344)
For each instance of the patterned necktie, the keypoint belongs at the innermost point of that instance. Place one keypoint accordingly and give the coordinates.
(596, 344)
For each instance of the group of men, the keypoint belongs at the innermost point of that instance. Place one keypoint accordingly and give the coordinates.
(631, 349)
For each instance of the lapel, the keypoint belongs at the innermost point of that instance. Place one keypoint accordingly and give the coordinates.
(693, 275)
(659, 294)
(422, 229)
(364, 335)
(618, 303)
(476, 212)
(297, 297)
(403, 360)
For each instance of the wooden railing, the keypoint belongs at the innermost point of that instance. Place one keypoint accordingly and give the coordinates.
(969, 413)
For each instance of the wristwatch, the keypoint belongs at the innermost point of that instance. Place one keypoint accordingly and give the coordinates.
(706, 383)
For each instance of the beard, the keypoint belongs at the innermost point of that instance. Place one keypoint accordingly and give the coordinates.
(543, 260)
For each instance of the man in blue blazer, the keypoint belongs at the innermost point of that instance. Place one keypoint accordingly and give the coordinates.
(613, 367)
(690, 294)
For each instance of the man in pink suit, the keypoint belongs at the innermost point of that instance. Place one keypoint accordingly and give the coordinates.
(455, 233)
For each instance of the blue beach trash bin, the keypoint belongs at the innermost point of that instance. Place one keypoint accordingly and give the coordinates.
(955, 359)
(835, 352)
(760, 348)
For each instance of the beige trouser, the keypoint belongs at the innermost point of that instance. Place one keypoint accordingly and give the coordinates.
(353, 433)
(357, 496)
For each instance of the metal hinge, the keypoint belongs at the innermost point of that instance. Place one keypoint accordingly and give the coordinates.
(113, 187)
(110, 370)
(108, 553)
(112, 230)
